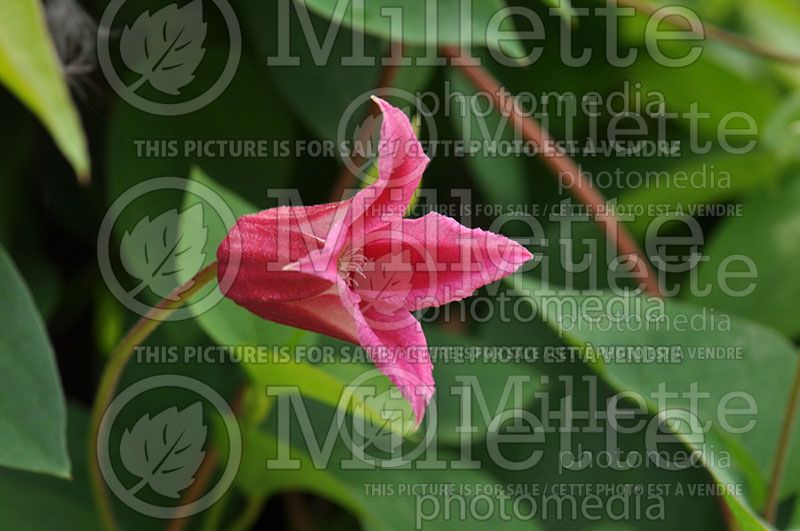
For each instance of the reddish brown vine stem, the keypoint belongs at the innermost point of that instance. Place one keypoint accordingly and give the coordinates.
(567, 170)
(113, 371)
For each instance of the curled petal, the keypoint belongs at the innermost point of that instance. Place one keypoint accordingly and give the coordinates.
(401, 162)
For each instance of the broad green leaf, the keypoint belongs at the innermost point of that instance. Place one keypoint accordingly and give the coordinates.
(572, 386)
(748, 358)
(30, 68)
(463, 374)
(724, 108)
(418, 18)
(43, 503)
(229, 324)
(32, 417)
(764, 240)
(351, 488)
(673, 191)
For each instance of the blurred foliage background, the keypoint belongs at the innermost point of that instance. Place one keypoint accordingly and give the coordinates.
(69, 150)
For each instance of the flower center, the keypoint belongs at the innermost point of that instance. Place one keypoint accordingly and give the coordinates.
(351, 263)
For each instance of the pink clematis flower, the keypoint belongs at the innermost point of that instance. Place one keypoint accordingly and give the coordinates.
(355, 269)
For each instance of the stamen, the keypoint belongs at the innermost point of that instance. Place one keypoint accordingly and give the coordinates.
(351, 263)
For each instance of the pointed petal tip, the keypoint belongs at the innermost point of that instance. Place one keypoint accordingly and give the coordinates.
(379, 101)
(521, 255)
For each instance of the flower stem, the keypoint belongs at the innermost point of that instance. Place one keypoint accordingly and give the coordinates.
(113, 371)
(572, 178)
(782, 453)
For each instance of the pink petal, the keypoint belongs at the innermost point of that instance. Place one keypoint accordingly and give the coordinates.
(332, 312)
(397, 346)
(401, 162)
(448, 261)
(261, 246)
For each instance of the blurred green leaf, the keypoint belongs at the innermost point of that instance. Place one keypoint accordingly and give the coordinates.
(671, 190)
(572, 386)
(30, 68)
(343, 83)
(761, 371)
(765, 239)
(782, 132)
(564, 8)
(502, 178)
(352, 488)
(775, 23)
(417, 17)
(720, 95)
(32, 431)
(142, 146)
(41, 503)
(473, 376)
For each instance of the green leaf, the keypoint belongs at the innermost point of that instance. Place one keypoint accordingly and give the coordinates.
(42, 503)
(775, 23)
(673, 190)
(32, 417)
(352, 488)
(344, 83)
(564, 8)
(30, 68)
(492, 380)
(766, 237)
(416, 19)
(693, 90)
(755, 361)
(782, 132)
